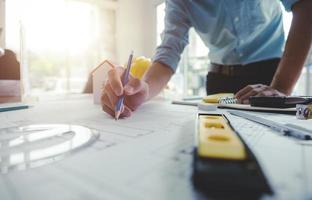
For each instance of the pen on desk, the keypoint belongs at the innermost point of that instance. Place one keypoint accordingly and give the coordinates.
(125, 79)
(12, 107)
(287, 129)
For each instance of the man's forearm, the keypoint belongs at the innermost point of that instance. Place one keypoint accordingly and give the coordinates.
(297, 47)
(157, 78)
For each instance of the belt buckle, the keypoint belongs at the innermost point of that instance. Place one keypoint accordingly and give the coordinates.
(232, 70)
(228, 70)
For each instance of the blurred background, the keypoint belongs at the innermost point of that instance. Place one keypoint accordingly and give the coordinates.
(59, 42)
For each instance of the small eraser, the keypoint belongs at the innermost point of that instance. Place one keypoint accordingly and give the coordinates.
(304, 111)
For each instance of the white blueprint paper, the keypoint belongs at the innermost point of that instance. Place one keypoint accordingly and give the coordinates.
(148, 156)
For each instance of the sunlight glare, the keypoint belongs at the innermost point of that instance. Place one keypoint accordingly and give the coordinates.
(58, 25)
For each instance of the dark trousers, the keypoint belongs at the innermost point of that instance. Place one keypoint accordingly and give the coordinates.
(254, 73)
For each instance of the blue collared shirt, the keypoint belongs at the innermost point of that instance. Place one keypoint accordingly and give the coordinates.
(235, 31)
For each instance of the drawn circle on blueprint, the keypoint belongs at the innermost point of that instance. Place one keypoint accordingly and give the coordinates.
(30, 146)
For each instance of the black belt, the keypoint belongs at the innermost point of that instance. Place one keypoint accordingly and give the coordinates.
(228, 70)
(243, 70)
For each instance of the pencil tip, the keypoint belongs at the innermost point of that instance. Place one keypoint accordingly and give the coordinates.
(117, 114)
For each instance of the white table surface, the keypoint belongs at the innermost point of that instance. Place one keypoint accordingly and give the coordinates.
(147, 156)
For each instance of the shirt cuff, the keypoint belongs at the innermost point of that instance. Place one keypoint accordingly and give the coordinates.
(288, 4)
(167, 56)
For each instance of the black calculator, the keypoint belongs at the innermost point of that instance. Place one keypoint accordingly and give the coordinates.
(279, 102)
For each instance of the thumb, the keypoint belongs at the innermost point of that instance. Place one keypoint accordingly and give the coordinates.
(133, 86)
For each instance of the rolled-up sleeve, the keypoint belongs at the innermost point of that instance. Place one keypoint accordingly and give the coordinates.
(175, 36)
(288, 4)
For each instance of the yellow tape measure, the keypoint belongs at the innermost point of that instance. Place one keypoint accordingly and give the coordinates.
(223, 161)
(216, 139)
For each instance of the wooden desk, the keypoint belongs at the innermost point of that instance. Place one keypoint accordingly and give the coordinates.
(10, 99)
(10, 91)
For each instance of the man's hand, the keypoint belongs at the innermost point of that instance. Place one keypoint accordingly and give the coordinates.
(136, 93)
(256, 90)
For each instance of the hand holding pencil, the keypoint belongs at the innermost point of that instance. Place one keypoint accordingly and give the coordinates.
(125, 78)
(120, 96)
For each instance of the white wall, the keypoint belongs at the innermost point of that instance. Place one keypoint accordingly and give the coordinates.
(2, 22)
(136, 28)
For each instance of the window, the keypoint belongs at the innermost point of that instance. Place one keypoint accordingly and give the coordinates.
(59, 41)
(190, 77)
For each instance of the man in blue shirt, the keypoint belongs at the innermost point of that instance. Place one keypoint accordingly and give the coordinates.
(247, 51)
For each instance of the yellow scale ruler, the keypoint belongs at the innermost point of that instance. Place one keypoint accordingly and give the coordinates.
(223, 163)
